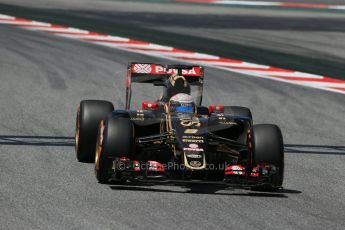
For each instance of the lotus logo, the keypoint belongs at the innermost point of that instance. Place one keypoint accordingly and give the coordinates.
(195, 163)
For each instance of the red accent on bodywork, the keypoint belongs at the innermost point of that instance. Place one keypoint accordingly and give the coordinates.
(124, 159)
(216, 108)
(136, 166)
(149, 105)
(155, 166)
(235, 170)
(239, 170)
(255, 172)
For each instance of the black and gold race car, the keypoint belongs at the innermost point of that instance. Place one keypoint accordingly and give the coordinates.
(175, 139)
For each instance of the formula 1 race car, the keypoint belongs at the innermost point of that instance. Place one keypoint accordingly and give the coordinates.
(175, 139)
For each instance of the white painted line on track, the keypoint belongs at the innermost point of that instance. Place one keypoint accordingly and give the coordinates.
(293, 4)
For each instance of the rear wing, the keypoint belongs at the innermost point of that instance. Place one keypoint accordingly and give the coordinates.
(157, 74)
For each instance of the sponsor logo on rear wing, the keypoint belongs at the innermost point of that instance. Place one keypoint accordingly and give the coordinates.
(140, 69)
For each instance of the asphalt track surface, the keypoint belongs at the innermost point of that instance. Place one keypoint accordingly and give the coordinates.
(42, 186)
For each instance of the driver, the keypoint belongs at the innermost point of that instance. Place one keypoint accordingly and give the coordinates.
(182, 104)
(175, 84)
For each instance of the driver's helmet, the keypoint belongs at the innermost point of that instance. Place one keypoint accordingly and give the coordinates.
(175, 85)
(181, 104)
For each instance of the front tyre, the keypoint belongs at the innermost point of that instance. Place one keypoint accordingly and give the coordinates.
(269, 149)
(89, 114)
(115, 140)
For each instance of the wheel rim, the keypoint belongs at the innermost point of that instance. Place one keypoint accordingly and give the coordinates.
(99, 146)
(77, 131)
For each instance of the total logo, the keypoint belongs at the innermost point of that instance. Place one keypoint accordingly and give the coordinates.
(193, 146)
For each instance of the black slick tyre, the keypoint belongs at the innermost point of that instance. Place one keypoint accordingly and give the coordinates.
(89, 114)
(115, 140)
(268, 147)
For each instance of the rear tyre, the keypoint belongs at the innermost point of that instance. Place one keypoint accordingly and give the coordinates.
(238, 111)
(115, 140)
(89, 114)
(268, 147)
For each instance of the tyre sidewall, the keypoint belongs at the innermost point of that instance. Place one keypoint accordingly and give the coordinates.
(115, 139)
(89, 114)
(268, 147)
